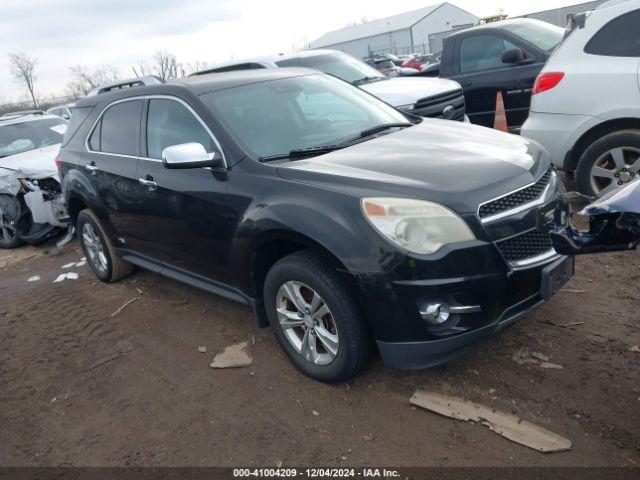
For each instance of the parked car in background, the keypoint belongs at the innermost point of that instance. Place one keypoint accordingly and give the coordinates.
(503, 56)
(586, 102)
(31, 203)
(63, 111)
(418, 62)
(339, 219)
(389, 68)
(437, 98)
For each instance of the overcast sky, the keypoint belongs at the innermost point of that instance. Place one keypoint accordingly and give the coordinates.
(63, 33)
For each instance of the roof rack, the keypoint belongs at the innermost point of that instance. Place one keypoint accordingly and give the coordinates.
(129, 83)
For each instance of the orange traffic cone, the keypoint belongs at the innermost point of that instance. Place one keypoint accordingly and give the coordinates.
(500, 122)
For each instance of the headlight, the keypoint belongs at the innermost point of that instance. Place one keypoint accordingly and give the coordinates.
(417, 225)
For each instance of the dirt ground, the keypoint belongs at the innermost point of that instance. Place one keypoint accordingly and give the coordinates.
(81, 387)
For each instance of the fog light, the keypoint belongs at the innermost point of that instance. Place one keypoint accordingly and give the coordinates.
(436, 313)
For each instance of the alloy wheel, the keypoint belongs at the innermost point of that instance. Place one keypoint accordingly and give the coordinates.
(95, 247)
(307, 323)
(614, 168)
(9, 231)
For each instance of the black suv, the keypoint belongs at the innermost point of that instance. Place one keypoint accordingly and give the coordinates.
(343, 223)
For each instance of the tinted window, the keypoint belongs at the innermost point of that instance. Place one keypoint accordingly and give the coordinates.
(120, 130)
(274, 117)
(618, 38)
(483, 52)
(94, 139)
(171, 123)
(78, 116)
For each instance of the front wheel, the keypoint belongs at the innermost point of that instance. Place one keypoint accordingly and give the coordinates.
(9, 212)
(315, 318)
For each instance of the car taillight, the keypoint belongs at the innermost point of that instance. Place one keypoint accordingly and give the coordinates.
(58, 162)
(546, 81)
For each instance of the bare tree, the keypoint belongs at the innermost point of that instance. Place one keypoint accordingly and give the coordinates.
(197, 66)
(166, 65)
(22, 69)
(84, 79)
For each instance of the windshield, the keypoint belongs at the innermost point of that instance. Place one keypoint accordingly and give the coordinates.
(22, 137)
(541, 34)
(339, 65)
(275, 117)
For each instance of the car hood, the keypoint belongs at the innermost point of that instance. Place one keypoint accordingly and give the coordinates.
(456, 164)
(34, 164)
(399, 91)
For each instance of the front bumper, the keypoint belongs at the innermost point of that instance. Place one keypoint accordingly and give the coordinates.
(395, 306)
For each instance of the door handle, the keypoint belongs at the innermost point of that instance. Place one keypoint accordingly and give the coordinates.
(92, 167)
(148, 183)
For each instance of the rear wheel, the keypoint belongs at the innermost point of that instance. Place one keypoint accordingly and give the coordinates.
(9, 211)
(315, 318)
(609, 163)
(100, 252)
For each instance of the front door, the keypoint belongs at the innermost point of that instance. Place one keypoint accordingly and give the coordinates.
(482, 75)
(186, 210)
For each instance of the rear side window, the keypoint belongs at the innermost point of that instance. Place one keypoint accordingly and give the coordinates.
(483, 52)
(119, 129)
(171, 123)
(78, 116)
(618, 38)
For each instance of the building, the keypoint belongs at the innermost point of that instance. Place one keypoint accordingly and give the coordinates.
(558, 16)
(399, 34)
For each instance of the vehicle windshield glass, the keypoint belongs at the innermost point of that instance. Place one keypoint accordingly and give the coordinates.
(541, 34)
(274, 117)
(30, 135)
(385, 64)
(342, 66)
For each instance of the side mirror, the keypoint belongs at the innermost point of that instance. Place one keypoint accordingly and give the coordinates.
(513, 56)
(190, 155)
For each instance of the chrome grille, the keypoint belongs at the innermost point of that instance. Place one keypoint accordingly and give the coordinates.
(517, 198)
(434, 106)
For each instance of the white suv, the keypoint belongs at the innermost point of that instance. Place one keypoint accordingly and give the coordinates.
(585, 107)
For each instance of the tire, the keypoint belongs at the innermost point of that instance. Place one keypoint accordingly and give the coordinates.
(9, 210)
(108, 267)
(599, 154)
(309, 275)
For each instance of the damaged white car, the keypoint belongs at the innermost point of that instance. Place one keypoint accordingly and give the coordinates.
(32, 206)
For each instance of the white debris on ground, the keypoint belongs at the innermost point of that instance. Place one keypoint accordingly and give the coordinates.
(635, 348)
(35, 278)
(524, 356)
(234, 356)
(66, 276)
(505, 424)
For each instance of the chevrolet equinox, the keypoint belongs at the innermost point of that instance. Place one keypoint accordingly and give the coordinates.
(345, 224)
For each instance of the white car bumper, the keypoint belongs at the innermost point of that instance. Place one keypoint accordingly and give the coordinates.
(556, 132)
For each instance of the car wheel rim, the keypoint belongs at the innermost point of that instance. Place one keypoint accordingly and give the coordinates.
(7, 230)
(307, 323)
(94, 247)
(614, 168)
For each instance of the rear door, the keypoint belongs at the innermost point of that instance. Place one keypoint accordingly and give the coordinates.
(186, 211)
(479, 69)
(114, 149)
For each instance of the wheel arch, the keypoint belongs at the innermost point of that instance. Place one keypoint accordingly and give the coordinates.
(594, 133)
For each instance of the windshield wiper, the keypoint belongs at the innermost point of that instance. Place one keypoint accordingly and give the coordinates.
(362, 80)
(381, 128)
(302, 152)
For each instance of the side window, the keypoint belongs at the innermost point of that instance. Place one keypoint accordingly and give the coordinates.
(171, 123)
(94, 139)
(120, 128)
(618, 38)
(483, 52)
